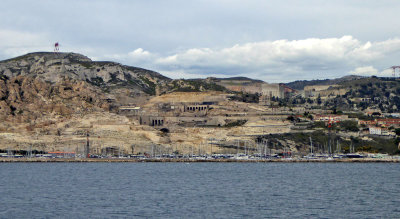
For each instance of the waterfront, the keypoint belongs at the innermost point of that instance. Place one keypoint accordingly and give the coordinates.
(199, 190)
(199, 160)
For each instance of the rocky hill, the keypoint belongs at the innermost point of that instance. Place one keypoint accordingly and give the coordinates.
(27, 101)
(110, 77)
(45, 86)
(53, 67)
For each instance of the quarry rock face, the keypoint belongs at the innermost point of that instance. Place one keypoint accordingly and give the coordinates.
(47, 100)
(28, 98)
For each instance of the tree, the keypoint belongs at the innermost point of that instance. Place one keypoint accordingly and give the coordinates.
(397, 131)
(349, 126)
(290, 118)
(319, 100)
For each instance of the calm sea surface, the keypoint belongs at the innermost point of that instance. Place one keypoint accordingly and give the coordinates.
(199, 190)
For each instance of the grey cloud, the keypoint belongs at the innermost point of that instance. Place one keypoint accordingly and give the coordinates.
(302, 58)
(198, 36)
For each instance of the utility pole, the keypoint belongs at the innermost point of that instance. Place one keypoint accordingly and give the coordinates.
(133, 148)
(199, 149)
(245, 148)
(30, 151)
(211, 145)
(237, 148)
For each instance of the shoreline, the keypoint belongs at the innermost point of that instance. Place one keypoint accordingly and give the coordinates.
(185, 160)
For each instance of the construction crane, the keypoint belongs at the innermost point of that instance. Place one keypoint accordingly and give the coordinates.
(394, 70)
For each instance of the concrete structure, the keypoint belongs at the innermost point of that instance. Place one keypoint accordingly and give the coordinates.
(152, 120)
(194, 108)
(132, 110)
(272, 90)
(269, 91)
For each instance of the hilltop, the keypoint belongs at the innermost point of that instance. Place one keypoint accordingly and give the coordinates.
(299, 85)
(379, 94)
(53, 67)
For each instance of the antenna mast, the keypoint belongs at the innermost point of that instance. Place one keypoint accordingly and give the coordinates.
(56, 47)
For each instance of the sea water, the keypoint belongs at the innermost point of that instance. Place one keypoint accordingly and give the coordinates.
(199, 190)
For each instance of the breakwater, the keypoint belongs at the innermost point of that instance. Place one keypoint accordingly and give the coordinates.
(188, 160)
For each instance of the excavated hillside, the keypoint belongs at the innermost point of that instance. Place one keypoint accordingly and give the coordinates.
(27, 101)
(51, 99)
(48, 101)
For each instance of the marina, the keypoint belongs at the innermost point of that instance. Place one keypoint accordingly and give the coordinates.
(394, 159)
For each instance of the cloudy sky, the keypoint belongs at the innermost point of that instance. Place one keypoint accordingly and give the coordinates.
(276, 41)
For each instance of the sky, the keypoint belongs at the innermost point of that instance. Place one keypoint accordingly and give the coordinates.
(275, 41)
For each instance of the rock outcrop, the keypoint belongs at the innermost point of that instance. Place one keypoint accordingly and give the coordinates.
(24, 99)
(54, 67)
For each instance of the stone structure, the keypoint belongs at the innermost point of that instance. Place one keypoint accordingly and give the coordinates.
(152, 120)
(129, 110)
(269, 91)
(272, 90)
(195, 107)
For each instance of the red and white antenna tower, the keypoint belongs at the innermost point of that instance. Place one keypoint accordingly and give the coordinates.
(394, 70)
(56, 47)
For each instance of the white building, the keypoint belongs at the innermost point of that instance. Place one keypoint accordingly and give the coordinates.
(375, 130)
